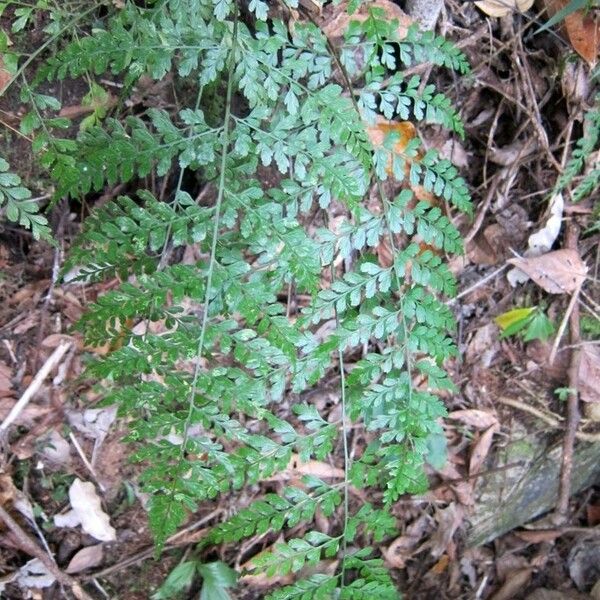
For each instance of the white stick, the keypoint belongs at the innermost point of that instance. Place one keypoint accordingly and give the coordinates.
(35, 385)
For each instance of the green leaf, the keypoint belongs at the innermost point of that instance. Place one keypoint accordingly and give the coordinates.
(179, 580)
(216, 578)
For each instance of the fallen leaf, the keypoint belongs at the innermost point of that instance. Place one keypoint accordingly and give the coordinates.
(441, 565)
(558, 272)
(448, 521)
(402, 548)
(589, 373)
(55, 449)
(5, 76)
(501, 8)
(480, 419)
(5, 380)
(513, 584)
(87, 512)
(297, 468)
(481, 449)
(538, 536)
(86, 558)
(34, 574)
(584, 34)
(336, 21)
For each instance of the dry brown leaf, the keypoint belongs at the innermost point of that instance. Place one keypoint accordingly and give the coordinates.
(589, 373)
(86, 558)
(584, 34)
(481, 449)
(5, 76)
(297, 468)
(513, 584)
(402, 548)
(558, 272)
(448, 521)
(336, 21)
(480, 419)
(5, 380)
(538, 536)
(501, 8)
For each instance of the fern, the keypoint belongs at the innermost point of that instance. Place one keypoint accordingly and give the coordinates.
(18, 205)
(584, 148)
(203, 354)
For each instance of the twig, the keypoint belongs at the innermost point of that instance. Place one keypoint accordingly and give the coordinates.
(35, 385)
(563, 323)
(477, 284)
(26, 544)
(85, 461)
(172, 542)
(552, 420)
(573, 416)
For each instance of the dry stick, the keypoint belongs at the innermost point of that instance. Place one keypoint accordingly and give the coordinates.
(573, 416)
(552, 420)
(27, 545)
(35, 385)
(563, 323)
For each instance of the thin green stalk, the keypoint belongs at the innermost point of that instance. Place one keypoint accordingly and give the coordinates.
(215, 234)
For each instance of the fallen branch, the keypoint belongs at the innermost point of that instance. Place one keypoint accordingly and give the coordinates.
(573, 416)
(52, 361)
(27, 545)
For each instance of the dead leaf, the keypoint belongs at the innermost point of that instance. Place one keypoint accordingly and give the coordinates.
(538, 536)
(297, 468)
(501, 8)
(34, 574)
(87, 512)
(558, 272)
(441, 565)
(5, 380)
(481, 449)
(402, 548)
(448, 521)
(55, 449)
(480, 419)
(336, 21)
(86, 558)
(513, 584)
(584, 34)
(589, 373)
(5, 76)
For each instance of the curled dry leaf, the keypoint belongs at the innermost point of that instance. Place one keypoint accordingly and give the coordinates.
(86, 558)
(87, 511)
(558, 272)
(501, 8)
(589, 373)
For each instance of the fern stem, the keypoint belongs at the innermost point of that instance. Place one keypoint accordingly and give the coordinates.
(215, 234)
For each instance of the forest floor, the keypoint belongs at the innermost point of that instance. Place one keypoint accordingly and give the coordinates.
(487, 529)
